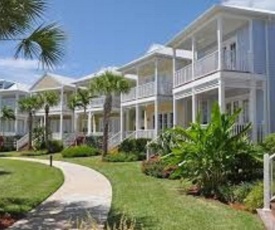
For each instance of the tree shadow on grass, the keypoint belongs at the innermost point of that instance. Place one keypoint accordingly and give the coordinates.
(116, 218)
(3, 173)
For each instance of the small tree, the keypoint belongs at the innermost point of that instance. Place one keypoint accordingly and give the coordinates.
(7, 114)
(83, 98)
(30, 105)
(109, 84)
(47, 100)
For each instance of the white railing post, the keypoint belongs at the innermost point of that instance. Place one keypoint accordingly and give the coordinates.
(220, 40)
(266, 182)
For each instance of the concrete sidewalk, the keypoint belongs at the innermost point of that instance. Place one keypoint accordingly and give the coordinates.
(85, 192)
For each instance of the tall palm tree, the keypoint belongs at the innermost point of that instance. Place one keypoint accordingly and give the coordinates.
(83, 98)
(109, 84)
(22, 22)
(72, 104)
(47, 100)
(7, 114)
(30, 105)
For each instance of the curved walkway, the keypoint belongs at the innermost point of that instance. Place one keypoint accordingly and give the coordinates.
(84, 193)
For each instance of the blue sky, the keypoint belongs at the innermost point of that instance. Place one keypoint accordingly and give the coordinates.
(105, 33)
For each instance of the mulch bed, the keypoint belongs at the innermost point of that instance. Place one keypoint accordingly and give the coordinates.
(7, 220)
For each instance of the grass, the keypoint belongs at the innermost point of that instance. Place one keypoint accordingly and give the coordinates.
(24, 185)
(158, 204)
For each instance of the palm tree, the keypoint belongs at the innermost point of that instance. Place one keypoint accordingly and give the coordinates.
(22, 21)
(72, 104)
(83, 98)
(7, 114)
(47, 100)
(30, 105)
(109, 84)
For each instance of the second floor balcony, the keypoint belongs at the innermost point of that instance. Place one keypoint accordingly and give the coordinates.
(231, 61)
(147, 90)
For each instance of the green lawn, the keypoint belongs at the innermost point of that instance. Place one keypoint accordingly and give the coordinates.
(158, 204)
(24, 185)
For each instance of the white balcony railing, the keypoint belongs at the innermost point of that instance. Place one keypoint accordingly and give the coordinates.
(206, 65)
(231, 61)
(183, 76)
(99, 102)
(148, 90)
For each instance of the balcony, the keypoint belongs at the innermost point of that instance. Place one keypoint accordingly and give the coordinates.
(209, 64)
(148, 90)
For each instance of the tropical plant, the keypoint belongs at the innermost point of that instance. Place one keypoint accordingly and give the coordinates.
(205, 154)
(109, 84)
(72, 104)
(82, 100)
(30, 105)
(22, 21)
(47, 100)
(7, 114)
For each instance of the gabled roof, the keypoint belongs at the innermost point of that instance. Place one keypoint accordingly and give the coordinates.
(111, 69)
(8, 86)
(211, 12)
(158, 50)
(63, 81)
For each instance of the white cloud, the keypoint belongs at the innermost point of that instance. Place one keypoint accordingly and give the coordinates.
(20, 70)
(261, 4)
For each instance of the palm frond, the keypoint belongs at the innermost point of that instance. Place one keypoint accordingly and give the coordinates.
(17, 16)
(46, 44)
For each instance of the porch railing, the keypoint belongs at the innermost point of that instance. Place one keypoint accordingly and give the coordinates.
(206, 65)
(148, 90)
(149, 134)
(183, 75)
(231, 60)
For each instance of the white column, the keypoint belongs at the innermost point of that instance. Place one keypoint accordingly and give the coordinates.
(0, 112)
(121, 124)
(265, 118)
(252, 110)
(94, 123)
(193, 57)
(16, 113)
(267, 179)
(219, 39)
(76, 123)
(175, 122)
(61, 126)
(174, 66)
(137, 120)
(89, 123)
(194, 107)
(221, 95)
(156, 77)
(156, 117)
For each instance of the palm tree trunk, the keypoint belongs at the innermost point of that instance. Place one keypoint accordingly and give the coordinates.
(106, 117)
(85, 132)
(30, 131)
(47, 127)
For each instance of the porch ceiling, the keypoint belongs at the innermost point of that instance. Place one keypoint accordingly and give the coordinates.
(207, 36)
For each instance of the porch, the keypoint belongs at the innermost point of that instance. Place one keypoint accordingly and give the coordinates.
(146, 120)
(231, 94)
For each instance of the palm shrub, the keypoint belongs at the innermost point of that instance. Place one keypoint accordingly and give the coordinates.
(47, 100)
(205, 154)
(30, 105)
(7, 114)
(109, 85)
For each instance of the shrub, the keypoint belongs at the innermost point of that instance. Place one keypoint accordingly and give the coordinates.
(254, 199)
(135, 146)
(156, 167)
(79, 151)
(235, 193)
(121, 157)
(55, 146)
(205, 154)
(269, 143)
(94, 141)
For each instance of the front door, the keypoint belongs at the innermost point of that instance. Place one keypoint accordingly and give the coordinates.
(230, 55)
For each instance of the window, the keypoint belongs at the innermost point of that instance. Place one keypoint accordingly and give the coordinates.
(171, 120)
(160, 117)
(165, 120)
(245, 111)
(204, 108)
(229, 108)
